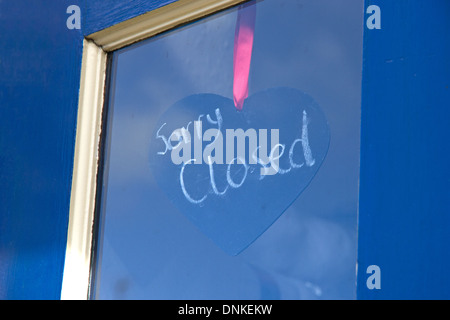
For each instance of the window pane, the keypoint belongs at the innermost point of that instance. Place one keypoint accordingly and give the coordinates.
(151, 245)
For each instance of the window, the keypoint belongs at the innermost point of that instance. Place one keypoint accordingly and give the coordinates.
(152, 240)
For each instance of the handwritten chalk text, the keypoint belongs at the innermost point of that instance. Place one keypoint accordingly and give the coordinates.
(187, 149)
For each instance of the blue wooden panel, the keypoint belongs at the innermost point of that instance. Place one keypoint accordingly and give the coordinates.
(40, 61)
(99, 15)
(404, 217)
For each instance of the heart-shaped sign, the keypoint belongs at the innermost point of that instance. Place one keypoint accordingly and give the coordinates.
(233, 173)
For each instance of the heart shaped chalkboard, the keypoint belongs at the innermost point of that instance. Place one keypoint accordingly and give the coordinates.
(233, 173)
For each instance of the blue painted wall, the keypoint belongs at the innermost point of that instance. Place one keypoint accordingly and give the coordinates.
(40, 61)
(404, 214)
(405, 180)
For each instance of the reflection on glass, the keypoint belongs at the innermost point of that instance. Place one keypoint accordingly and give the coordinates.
(147, 249)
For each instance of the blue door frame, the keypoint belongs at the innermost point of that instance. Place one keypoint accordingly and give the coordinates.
(404, 224)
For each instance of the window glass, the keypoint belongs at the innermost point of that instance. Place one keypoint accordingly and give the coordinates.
(151, 245)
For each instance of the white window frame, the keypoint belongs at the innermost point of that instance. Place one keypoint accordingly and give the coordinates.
(77, 267)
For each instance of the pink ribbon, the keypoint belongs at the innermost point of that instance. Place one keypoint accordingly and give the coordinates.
(243, 45)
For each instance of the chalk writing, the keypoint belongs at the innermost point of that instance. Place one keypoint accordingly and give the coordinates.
(182, 145)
